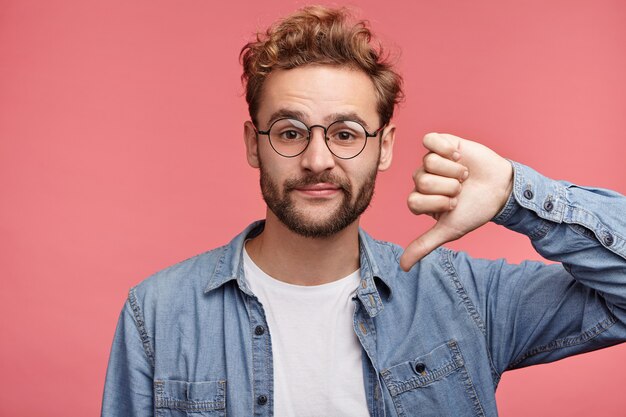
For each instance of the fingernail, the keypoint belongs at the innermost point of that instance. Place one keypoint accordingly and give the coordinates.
(465, 175)
(453, 203)
(456, 156)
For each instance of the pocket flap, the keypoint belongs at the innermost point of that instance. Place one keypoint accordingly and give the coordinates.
(190, 396)
(423, 370)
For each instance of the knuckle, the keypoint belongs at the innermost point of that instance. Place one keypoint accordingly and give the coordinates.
(430, 160)
(413, 200)
(414, 203)
(431, 141)
(429, 137)
(417, 173)
(423, 182)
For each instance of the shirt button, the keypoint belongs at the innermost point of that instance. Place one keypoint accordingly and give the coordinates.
(261, 399)
(420, 367)
(548, 205)
(608, 239)
(259, 330)
(528, 194)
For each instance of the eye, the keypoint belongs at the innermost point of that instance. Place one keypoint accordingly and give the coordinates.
(346, 132)
(344, 135)
(289, 130)
(291, 135)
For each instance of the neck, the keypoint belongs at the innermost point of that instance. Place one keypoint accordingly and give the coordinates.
(299, 260)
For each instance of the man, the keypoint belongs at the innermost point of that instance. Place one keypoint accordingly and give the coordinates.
(304, 314)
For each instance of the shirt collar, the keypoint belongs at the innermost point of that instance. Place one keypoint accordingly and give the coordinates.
(230, 267)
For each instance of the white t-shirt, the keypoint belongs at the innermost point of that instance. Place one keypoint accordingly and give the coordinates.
(317, 356)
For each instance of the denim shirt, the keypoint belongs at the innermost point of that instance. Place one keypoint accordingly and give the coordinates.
(193, 340)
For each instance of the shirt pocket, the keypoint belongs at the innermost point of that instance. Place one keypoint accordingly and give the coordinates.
(194, 399)
(434, 384)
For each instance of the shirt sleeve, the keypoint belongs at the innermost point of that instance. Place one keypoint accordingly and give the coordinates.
(535, 312)
(128, 386)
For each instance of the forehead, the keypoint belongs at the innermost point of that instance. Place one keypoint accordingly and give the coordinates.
(319, 92)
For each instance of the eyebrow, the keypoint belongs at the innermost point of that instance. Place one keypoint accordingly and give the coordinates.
(286, 113)
(295, 114)
(347, 116)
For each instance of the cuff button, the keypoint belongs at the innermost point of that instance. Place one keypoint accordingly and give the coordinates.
(548, 205)
(420, 367)
(608, 239)
(528, 194)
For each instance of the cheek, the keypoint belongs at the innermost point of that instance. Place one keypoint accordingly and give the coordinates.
(266, 153)
(373, 149)
(277, 170)
(361, 168)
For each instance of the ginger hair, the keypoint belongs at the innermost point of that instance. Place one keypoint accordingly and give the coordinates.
(323, 36)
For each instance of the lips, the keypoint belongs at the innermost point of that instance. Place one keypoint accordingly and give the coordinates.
(319, 189)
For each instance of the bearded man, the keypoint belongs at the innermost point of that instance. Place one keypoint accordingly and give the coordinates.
(304, 314)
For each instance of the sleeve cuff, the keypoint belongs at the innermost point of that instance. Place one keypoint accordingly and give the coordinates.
(544, 199)
(538, 204)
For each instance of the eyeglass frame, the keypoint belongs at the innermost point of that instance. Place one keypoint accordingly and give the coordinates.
(325, 129)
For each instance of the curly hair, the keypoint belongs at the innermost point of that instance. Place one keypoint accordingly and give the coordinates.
(319, 35)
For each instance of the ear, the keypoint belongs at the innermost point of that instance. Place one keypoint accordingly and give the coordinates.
(252, 144)
(386, 147)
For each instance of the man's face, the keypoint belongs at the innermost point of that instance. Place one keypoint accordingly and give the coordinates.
(316, 194)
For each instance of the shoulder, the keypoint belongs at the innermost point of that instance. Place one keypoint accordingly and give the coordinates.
(195, 276)
(443, 269)
(385, 256)
(190, 275)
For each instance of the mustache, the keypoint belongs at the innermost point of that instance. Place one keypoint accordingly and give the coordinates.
(325, 177)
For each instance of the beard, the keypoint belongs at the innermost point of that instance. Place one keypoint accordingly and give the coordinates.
(282, 205)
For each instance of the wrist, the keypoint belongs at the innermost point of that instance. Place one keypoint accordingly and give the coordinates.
(508, 197)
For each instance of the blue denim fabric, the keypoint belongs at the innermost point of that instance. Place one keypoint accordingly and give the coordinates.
(193, 340)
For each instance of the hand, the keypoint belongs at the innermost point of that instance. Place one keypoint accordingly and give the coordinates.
(462, 184)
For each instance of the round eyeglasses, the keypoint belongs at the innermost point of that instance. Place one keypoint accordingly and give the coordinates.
(345, 139)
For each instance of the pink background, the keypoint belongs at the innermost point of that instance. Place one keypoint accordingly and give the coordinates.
(121, 152)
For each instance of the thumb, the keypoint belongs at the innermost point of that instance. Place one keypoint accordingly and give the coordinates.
(423, 245)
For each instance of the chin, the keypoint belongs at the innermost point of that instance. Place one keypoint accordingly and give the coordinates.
(317, 227)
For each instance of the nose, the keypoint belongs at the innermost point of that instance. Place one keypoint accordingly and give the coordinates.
(317, 157)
